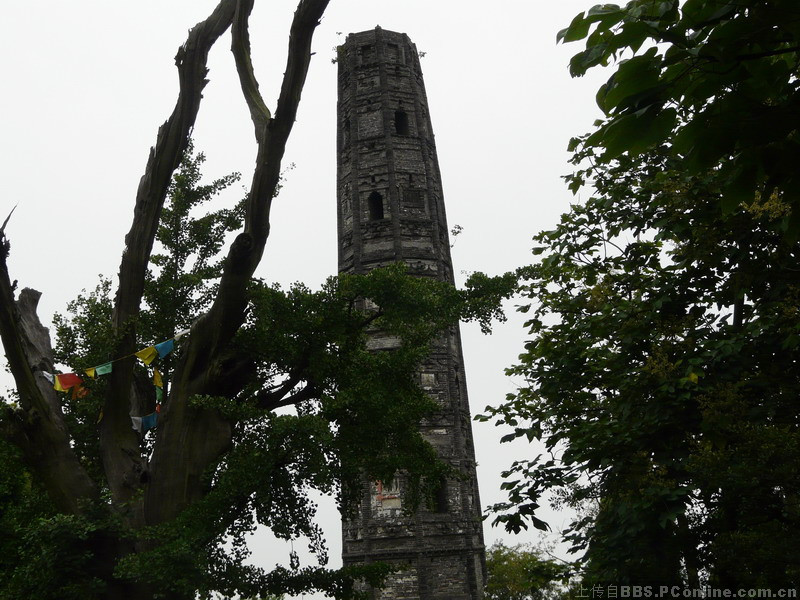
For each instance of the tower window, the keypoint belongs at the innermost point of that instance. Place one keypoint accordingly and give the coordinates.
(375, 204)
(367, 54)
(414, 198)
(440, 502)
(401, 122)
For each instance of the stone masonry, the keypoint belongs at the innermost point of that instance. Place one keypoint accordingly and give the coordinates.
(391, 208)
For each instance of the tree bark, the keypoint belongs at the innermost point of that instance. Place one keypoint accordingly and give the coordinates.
(177, 473)
(189, 439)
(38, 426)
(119, 443)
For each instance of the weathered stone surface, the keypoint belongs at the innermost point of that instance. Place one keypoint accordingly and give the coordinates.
(391, 208)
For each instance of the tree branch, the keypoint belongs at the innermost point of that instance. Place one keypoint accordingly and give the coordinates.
(119, 443)
(240, 46)
(268, 402)
(767, 53)
(205, 431)
(38, 430)
(227, 313)
(265, 398)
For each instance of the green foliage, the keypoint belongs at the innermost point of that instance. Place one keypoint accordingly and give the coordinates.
(661, 378)
(715, 79)
(314, 410)
(83, 338)
(43, 554)
(56, 560)
(521, 573)
(20, 504)
(184, 269)
(357, 414)
(664, 329)
(180, 285)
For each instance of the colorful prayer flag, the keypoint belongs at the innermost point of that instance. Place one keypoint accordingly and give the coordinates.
(157, 381)
(165, 348)
(149, 421)
(136, 423)
(147, 355)
(181, 333)
(65, 381)
(91, 371)
(78, 391)
(104, 369)
(48, 376)
(159, 395)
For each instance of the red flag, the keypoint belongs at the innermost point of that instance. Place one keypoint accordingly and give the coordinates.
(66, 380)
(78, 391)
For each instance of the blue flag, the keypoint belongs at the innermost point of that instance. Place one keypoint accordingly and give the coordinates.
(165, 348)
(149, 421)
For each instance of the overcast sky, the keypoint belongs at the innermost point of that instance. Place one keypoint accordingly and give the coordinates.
(88, 82)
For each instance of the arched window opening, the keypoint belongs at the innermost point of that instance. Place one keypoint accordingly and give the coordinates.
(440, 504)
(375, 204)
(401, 122)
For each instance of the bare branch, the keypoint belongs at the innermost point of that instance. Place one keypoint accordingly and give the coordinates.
(240, 46)
(227, 313)
(3, 228)
(119, 443)
(306, 18)
(38, 429)
(266, 398)
(307, 393)
(206, 431)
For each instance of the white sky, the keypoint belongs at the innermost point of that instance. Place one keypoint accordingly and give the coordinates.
(88, 82)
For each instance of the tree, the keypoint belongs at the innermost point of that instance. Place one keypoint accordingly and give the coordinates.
(521, 573)
(660, 377)
(714, 78)
(100, 509)
(664, 309)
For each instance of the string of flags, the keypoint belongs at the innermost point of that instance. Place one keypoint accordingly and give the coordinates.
(64, 382)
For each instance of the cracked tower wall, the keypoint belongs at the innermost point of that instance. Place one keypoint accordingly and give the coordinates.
(391, 208)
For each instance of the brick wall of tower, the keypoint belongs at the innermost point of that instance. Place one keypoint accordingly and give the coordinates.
(391, 208)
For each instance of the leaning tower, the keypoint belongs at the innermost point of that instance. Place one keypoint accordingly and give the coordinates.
(391, 208)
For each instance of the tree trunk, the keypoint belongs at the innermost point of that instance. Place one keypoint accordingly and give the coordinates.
(189, 439)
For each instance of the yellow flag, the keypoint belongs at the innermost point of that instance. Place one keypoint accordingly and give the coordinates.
(157, 381)
(147, 355)
(90, 372)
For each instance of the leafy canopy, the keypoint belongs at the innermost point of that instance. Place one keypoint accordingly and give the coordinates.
(355, 412)
(664, 311)
(660, 377)
(714, 80)
(521, 573)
